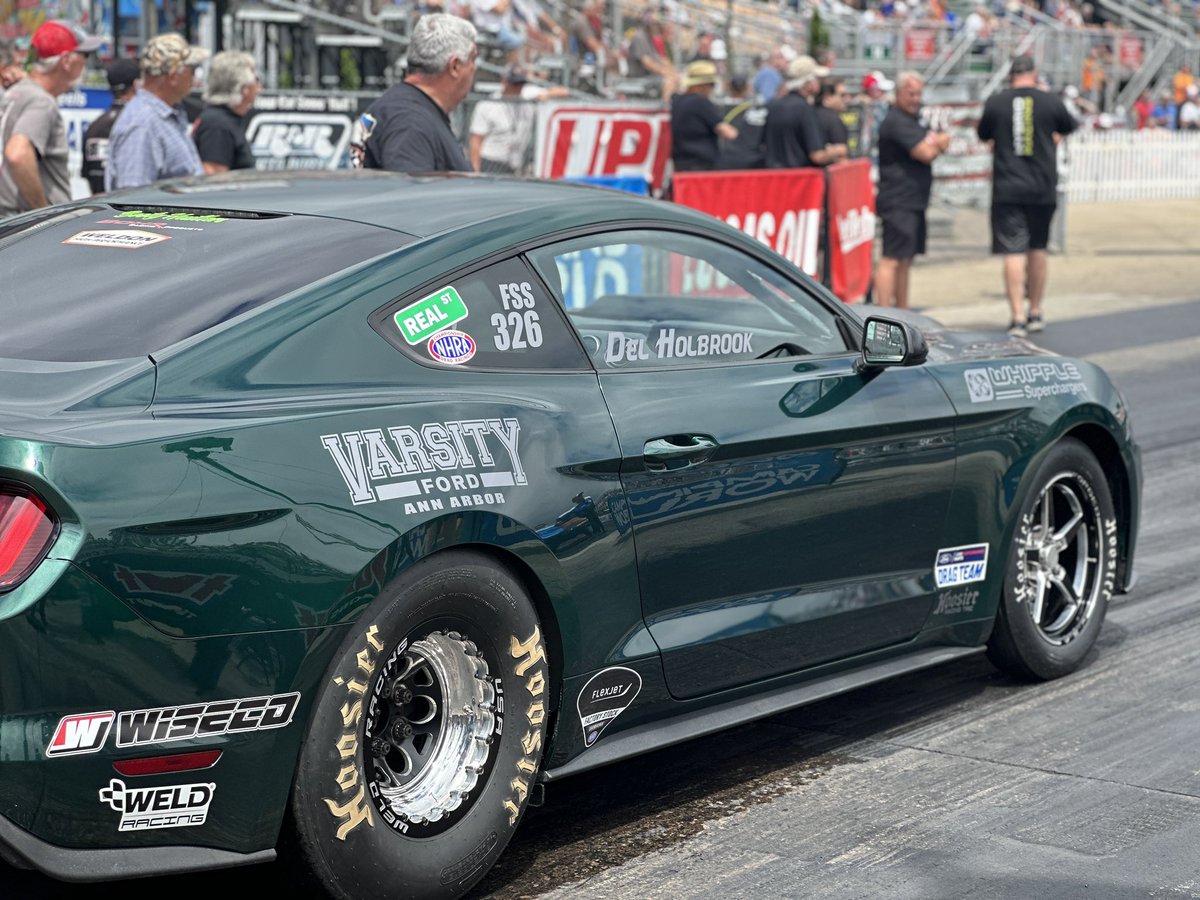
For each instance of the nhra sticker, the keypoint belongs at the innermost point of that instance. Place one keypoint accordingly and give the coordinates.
(961, 565)
(606, 695)
(127, 239)
(429, 315)
(143, 809)
(451, 347)
(1021, 381)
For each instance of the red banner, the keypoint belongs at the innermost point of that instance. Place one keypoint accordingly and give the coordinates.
(779, 207)
(1129, 51)
(920, 44)
(851, 229)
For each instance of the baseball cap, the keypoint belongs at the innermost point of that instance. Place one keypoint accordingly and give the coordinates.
(515, 74)
(59, 36)
(122, 73)
(165, 53)
(1022, 64)
(803, 69)
(877, 81)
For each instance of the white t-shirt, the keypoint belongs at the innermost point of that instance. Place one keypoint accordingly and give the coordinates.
(506, 127)
(1189, 114)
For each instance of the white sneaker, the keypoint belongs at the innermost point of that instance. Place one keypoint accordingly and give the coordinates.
(1035, 324)
(1017, 329)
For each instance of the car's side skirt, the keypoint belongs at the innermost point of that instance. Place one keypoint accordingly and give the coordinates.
(23, 850)
(686, 726)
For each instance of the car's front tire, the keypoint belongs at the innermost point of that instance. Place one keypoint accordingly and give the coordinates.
(427, 735)
(1060, 572)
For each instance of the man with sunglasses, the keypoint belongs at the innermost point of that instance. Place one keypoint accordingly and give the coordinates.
(33, 171)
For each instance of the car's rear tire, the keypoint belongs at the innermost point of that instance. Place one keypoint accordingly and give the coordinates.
(427, 736)
(1061, 567)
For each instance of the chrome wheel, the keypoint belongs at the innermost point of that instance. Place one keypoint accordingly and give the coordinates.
(429, 728)
(1062, 558)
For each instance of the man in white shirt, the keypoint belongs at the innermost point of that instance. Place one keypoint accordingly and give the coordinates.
(502, 129)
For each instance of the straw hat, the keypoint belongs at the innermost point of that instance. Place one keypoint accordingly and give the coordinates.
(702, 71)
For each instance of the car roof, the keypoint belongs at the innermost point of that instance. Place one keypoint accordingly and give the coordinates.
(418, 205)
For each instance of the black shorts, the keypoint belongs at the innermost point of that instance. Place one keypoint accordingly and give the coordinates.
(1020, 227)
(903, 233)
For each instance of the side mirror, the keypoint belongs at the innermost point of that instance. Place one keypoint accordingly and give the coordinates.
(887, 342)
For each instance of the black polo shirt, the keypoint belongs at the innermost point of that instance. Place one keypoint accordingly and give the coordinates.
(833, 129)
(411, 133)
(220, 136)
(792, 133)
(904, 183)
(693, 138)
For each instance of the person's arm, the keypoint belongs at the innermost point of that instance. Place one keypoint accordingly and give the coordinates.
(408, 150)
(21, 158)
(930, 147)
(725, 131)
(475, 152)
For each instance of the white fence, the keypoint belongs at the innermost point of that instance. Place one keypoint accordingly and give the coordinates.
(1154, 164)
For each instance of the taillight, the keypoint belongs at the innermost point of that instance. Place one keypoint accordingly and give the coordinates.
(26, 532)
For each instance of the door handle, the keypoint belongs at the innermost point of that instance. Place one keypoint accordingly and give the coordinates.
(678, 451)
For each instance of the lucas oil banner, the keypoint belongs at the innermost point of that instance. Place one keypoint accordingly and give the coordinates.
(851, 229)
(779, 207)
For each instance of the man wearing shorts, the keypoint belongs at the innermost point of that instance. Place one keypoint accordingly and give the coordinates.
(907, 150)
(1024, 125)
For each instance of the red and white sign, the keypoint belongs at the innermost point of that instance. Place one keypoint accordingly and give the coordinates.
(80, 734)
(575, 141)
(920, 44)
(1129, 51)
(851, 228)
(778, 207)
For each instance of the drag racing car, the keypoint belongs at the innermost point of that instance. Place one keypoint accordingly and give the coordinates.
(340, 513)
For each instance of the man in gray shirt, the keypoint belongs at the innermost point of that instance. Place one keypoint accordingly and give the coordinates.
(34, 170)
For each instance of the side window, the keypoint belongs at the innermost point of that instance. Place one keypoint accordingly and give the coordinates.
(657, 298)
(499, 317)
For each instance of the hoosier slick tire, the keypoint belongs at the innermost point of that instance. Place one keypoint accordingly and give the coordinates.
(1061, 568)
(426, 737)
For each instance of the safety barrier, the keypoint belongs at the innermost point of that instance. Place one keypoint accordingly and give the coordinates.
(1153, 164)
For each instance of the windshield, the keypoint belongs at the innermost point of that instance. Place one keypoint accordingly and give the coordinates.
(100, 282)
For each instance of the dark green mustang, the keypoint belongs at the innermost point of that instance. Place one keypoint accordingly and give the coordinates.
(343, 512)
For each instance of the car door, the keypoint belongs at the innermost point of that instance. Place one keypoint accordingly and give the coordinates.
(786, 506)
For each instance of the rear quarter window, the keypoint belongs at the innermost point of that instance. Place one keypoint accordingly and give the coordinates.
(98, 282)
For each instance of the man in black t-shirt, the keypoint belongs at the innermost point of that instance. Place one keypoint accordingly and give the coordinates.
(122, 81)
(696, 123)
(1025, 125)
(830, 105)
(408, 128)
(749, 117)
(220, 131)
(907, 150)
(792, 136)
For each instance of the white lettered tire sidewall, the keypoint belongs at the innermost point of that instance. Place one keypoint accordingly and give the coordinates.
(1016, 644)
(341, 833)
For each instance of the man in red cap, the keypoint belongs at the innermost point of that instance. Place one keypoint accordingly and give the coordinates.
(32, 132)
